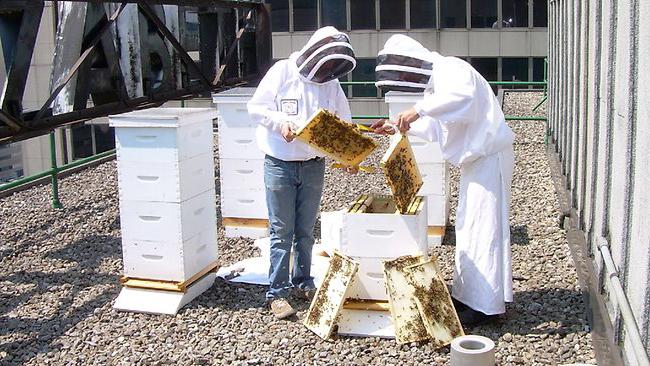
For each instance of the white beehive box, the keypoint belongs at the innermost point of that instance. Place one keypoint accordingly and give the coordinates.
(166, 182)
(163, 135)
(167, 195)
(167, 221)
(236, 129)
(380, 232)
(168, 260)
(369, 282)
(241, 165)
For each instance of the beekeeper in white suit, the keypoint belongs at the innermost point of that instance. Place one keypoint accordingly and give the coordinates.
(460, 111)
(290, 92)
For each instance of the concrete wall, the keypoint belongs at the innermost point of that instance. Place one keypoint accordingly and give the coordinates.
(599, 62)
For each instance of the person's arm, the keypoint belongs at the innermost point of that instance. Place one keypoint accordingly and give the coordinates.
(452, 100)
(262, 106)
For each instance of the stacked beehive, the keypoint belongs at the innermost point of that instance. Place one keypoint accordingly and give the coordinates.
(432, 166)
(167, 193)
(243, 200)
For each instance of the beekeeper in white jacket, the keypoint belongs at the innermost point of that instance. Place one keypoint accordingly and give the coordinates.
(290, 92)
(460, 111)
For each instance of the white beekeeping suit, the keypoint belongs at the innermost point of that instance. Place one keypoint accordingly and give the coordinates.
(288, 95)
(460, 111)
(294, 88)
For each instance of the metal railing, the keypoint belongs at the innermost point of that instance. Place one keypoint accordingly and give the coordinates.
(56, 170)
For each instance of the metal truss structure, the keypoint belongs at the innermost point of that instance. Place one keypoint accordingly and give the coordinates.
(117, 56)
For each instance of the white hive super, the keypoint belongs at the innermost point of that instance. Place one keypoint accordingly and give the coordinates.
(166, 184)
(371, 238)
(241, 165)
(432, 166)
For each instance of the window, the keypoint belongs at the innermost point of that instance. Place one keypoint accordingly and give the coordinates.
(362, 14)
(305, 16)
(280, 15)
(538, 69)
(423, 14)
(514, 69)
(488, 68)
(392, 14)
(484, 13)
(104, 138)
(333, 13)
(453, 14)
(540, 13)
(82, 141)
(191, 32)
(515, 13)
(365, 71)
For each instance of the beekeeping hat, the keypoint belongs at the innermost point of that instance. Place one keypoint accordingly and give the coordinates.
(404, 65)
(327, 56)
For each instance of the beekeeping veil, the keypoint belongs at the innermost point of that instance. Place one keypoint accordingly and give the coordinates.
(327, 56)
(404, 65)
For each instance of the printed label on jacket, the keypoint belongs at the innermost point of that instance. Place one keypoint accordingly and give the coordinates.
(289, 106)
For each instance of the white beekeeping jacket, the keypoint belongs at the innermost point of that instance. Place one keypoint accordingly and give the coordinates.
(293, 89)
(469, 121)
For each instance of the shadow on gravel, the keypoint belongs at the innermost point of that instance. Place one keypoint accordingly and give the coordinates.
(66, 294)
(540, 313)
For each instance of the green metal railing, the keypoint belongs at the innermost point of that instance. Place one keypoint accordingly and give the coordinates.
(54, 172)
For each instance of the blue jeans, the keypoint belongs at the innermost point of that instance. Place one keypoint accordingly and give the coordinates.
(293, 193)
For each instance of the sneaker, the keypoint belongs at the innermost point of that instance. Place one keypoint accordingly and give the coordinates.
(305, 294)
(470, 317)
(281, 308)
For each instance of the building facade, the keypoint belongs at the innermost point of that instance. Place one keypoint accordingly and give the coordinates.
(598, 67)
(502, 39)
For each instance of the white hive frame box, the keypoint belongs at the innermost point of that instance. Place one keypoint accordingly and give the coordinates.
(241, 167)
(432, 166)
(167, 207)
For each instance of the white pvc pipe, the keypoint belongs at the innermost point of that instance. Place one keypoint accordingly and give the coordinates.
(629, 321)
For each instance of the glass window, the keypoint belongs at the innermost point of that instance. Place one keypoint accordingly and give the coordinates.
(453, 14)
(514, 69)
(305, 16)
(333, 13)
(538, 69)
(365, 71)
(191, 32)
(423, 14)
(362, 14)
(484, 13)
(487, 67)
(104, 138)
(82, 143)
(392, 14)
(515, 13)
(540, 13)
(280, 15)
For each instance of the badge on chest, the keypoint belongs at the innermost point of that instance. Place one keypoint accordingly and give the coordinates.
(289, 106)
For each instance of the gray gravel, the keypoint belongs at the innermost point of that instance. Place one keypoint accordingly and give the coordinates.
(59, 273)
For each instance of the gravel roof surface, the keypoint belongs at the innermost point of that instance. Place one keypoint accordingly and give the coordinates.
(59, 273)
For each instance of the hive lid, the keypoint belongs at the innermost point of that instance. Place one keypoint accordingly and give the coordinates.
(402, 173)
(336, 138)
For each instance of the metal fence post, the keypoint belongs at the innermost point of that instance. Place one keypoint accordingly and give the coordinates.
(55, 171)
